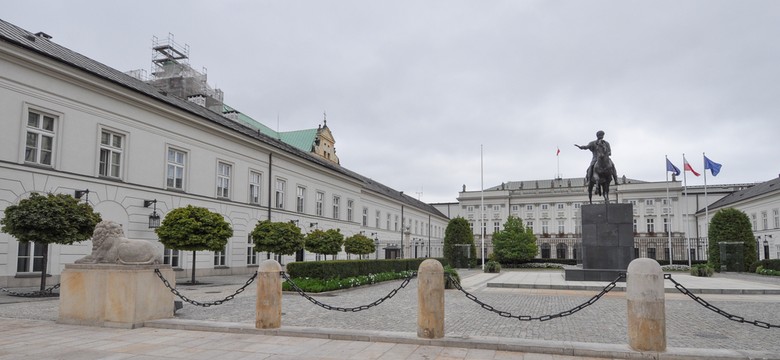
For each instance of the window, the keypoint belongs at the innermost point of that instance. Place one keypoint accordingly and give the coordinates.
(350, 209)
(764, 220)
(171, 257)
(470, 208)
(515, 208)
(175, 172)
(666, 225)
(388, 221)
(376, 221)
(251, 254)
(755, 223)
(544, 206)
(111, 145)
(529, 225)
(496, 207)
(336, 204)
(396, 223)
(223, 179)
(651, 253)
(649, 202)
(650, 225)
(281, 186)
(255, 180)
(300, 199)
(632, 202)
(560, 251)
(636, 229)
(776, 214)
(219, 257)
(365, 216)
(545, 227)
(529, 207)
(29, 257)
(319, 199)
(664, 202)
(496, 226)
(561, 206)
(39, 147)
(561, 226)
(577, 205)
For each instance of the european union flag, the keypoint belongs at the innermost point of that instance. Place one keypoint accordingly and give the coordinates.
(671, 168)
(713, 166)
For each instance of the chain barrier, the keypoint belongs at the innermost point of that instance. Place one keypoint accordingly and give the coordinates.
(351, 309)
(203, 304)
(714, 308)
(39, 293)
(571, 311)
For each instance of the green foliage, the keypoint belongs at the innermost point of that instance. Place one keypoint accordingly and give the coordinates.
(327, 242)
(730, 225)
(514, 244)
(492, 267)
(359, 244)
(194, 228)
(50, 219)
(762, 271)
(277, 237)
(702, 270)
(314, 285)
(767, 264)
(340, 269)
(458, 236)
(450, 276)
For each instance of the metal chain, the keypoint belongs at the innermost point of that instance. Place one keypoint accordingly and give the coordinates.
(714, 308)
(351, 309)
(506, 314)
(203, 304)
(39, 293)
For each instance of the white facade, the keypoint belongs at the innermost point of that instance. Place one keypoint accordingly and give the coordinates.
(70, 123)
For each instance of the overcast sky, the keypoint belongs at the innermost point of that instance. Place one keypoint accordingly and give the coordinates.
(412, 89)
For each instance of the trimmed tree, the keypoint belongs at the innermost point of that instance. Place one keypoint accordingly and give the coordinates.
(734, 226)
(514, 244)
(359, 244)
(50, 219)
(459, 246)
(280, 238)
(195, 229)
(326, 242)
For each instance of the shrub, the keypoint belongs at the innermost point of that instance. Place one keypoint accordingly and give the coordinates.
(730, 225)
(514, 244)
(492, 267)
(702, 270)
(340, 269)
(773, 264)
(459, 248)
(450, 276)
(685, 268)
(320, 285)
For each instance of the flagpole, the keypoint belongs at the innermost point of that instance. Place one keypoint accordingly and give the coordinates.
(482, 204)
(558, 160)
(669, 216)
(706, 203)
(687, 220)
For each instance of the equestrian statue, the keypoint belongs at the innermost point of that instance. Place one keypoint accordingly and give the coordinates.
(601, 170)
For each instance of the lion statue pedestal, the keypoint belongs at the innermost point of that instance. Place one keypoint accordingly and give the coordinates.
(116, 285)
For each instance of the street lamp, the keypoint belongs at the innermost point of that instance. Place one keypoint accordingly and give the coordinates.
(154, 218)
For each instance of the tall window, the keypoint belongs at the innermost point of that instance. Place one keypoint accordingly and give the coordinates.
(529, 225)
(561, 226)
(365, 216)
(219, 257)
(281, 186)
(496, 226)
(636, 228)
(171, 257)
(545, 227)
(650, 225)
(336, 205)
(319, 199)
(111, 145)
(175, 173)
(255, 181)
(39, 148)
(223, 179)
(350, 209)
(666, 225)
(300, 199)
(30, 257)
(377, 217)
(251, 255)
(776, 214)
(388, 221)
(755, 222)
(764, 220)
(395, 226)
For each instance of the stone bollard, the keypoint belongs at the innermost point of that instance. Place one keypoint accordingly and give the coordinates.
(646, 313)
(268, 308)
(430, 300)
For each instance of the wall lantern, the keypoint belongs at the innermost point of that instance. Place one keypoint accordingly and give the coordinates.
(80, 193)
(154, 218)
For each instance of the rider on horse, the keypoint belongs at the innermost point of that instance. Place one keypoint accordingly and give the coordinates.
(598, 147)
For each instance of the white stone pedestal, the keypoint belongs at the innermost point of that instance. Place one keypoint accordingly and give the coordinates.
(114, 295)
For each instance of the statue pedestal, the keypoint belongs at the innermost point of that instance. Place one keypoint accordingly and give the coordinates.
(114, 295)
(607, 242)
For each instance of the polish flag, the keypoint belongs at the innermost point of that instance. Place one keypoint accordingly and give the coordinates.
(689, 168)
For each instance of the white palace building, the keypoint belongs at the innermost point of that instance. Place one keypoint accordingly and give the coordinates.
(132, 146)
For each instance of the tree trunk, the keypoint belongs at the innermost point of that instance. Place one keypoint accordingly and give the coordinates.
(193, 267)
(43, 266)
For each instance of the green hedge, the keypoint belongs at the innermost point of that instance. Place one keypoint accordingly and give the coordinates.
(540, 261)
(772, 264)
(339, 269)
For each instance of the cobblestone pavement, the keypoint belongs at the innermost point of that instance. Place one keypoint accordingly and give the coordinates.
(689, 325)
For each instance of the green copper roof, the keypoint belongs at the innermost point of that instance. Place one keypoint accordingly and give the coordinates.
(301, 139)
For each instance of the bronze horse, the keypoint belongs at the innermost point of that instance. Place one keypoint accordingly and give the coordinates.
(601, 176)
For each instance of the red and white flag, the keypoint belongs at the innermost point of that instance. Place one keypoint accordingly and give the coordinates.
(688, 167)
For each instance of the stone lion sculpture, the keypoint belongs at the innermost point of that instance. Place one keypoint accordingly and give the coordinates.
(109, 246)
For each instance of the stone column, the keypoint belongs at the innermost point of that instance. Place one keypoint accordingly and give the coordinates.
(268, 307)
(430, 300)
(646, 313)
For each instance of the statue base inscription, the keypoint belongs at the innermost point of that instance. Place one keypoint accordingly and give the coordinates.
(114, 295)
(607, 242)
